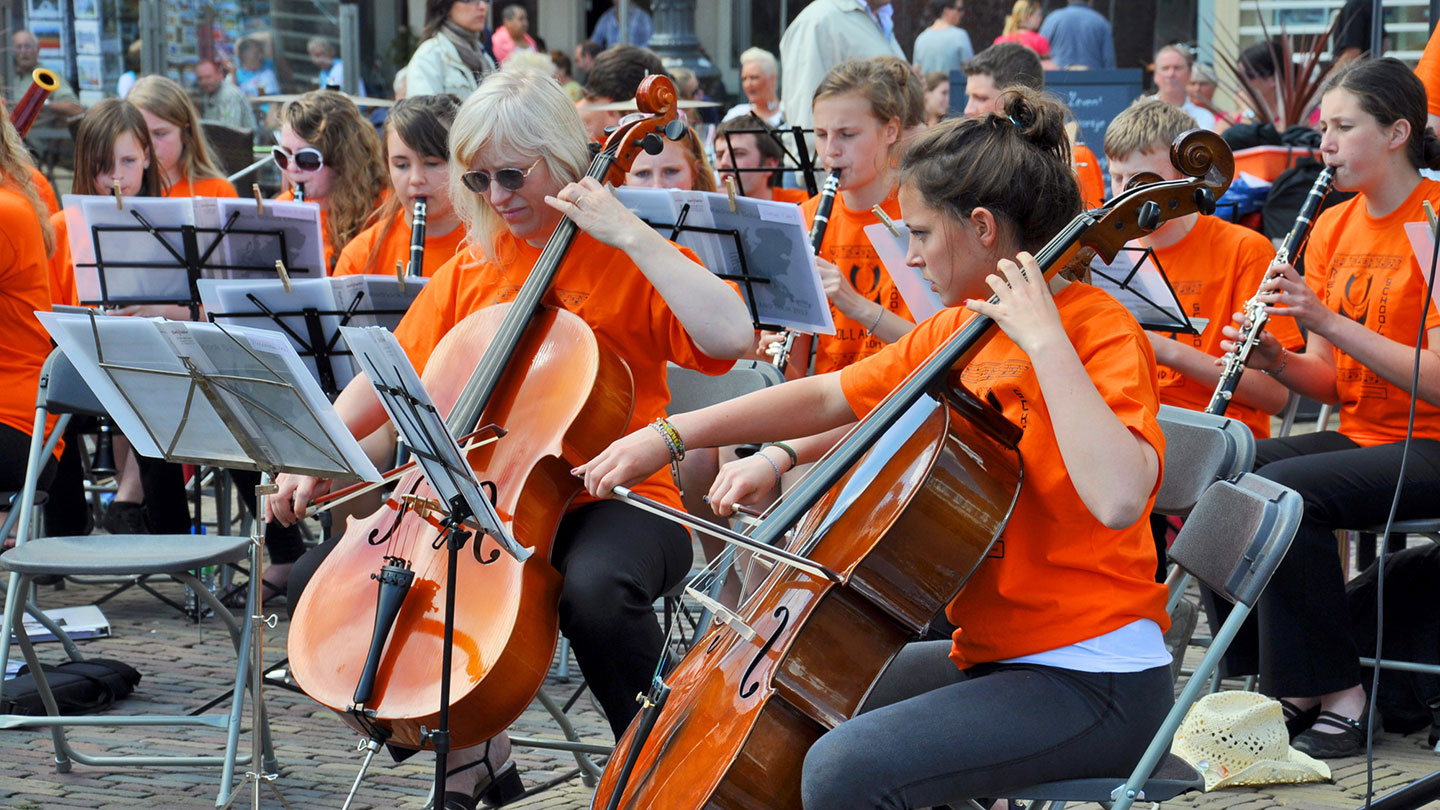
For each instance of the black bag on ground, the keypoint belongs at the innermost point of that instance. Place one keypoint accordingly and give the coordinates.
(79, 687)
(1408, 701)
(1288, 193)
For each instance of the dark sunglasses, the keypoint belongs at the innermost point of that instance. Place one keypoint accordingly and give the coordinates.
(478, 180)
(308, 159)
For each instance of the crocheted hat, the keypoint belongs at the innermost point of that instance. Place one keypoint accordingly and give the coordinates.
(1239, 738)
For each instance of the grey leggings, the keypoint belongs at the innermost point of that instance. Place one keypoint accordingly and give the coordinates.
(931, 734)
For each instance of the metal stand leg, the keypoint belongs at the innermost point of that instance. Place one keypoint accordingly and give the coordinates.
(370, 746)
(261, 772)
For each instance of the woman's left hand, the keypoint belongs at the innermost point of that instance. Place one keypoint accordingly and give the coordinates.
(596, 211)
(625, 462)
(1025, 310)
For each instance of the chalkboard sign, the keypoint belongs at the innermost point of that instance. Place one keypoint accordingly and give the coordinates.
(1094, 96)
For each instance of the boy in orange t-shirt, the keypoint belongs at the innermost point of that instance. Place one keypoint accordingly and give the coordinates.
(1214, 266)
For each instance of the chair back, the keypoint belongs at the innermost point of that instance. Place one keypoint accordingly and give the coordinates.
(63, 390)
(1237, 535)
(693, 390)
(233, 147)
(1200, 449)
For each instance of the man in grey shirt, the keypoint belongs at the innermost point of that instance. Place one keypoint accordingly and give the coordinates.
(221, 101)
(1080, 37)
(944, 46)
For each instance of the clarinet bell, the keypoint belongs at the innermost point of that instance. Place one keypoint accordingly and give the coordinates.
(103, 462)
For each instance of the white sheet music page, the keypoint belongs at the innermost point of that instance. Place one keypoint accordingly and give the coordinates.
(383, 361)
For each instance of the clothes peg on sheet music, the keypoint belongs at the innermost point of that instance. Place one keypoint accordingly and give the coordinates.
(283, 273)
(259, 200)
(400, 275)
(1430, 217)
(115, 186)
(730, 189)
(886, 221)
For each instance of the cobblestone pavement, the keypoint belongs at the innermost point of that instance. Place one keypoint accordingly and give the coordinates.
(184, 665)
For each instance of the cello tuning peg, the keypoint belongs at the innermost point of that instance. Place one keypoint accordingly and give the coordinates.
(1148, 218)
(675, 130)
(1205, 201)
(652, 144)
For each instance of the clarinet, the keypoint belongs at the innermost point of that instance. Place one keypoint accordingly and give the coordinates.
(817, 235)
(417, 239)
(1255, 309)
(299, 192)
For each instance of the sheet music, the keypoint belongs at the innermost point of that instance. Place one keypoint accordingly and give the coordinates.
(1422, 242)
(160, 277)
(384, 362)
(382, 295)
(224, 299)
(291, 425)
(920, 299)
(776, 245)
(300, 222)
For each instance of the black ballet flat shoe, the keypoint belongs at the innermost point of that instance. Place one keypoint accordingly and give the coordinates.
(1298, 720)
(1348, 742)
(496, 789)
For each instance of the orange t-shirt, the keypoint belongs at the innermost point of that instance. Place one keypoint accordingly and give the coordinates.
(355, 258)
(1056, 576)
(45, 190)
(24, 289)
(795, 195)
(1364, 269)
(598, 283)
(846, 246)
(62, 269)
(1089, 175)
(1429, 72)
(204, 187)
(1214, 270)
(289, 196)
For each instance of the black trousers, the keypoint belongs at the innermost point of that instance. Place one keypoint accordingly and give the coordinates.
(930, 734)
(14, 452)
(616, 561)
(1299, 639)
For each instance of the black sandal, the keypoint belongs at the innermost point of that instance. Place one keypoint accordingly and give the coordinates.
(496, 789)
(1348, 742)
(234, 596)
(1298, 720)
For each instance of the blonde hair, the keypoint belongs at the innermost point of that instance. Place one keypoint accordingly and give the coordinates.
(529, 59)
(104, 124)
(1019, 13)
(1146, 125)
(332, 123)
(701, 172)
(525, 113)
(15, 167)
(164, 97)
(882, 81)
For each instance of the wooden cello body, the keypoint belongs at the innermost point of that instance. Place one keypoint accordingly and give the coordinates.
(904, 508)
(563, 399)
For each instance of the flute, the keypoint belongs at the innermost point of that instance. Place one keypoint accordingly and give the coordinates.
(417, 239)
(817, 236)
(1254, 308)
(42, 83)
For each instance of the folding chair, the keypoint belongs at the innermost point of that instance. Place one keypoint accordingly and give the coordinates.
(62, 391)
(1235, 538)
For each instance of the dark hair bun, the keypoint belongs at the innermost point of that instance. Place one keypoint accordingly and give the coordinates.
(1040, 119)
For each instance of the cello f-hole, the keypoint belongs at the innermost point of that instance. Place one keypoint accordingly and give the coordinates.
(748, 687)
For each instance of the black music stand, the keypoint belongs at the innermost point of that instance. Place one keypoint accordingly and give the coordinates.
(1157, 310)
(460, 496)
(202, 394)
(799, 159)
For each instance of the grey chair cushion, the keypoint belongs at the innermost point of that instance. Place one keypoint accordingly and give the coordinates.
(123, 554)
(1173, 777)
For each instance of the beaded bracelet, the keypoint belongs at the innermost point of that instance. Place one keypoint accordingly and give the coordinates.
(1284, 359)
(773, 466)
(789, 451)
(675, 445)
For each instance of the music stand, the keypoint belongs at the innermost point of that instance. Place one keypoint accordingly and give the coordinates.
(204, 394)
(1137, 281)
(800, 159)
(310, 313)
(461, 497)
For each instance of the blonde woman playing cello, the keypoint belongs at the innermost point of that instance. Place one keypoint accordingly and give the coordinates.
(517, 150)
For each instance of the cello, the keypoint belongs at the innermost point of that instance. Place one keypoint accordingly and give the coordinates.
(556, 397)
(905, 507)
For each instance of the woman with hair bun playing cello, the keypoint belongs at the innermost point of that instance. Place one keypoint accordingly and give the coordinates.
(1038, 683)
